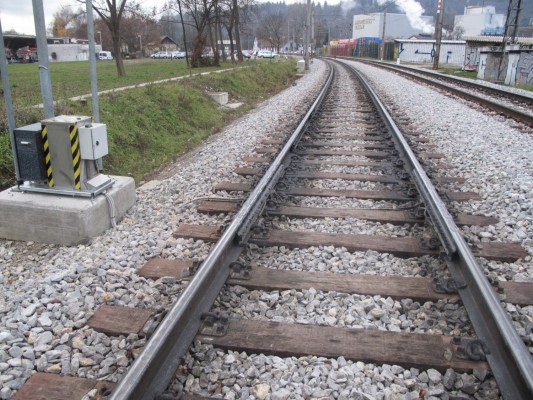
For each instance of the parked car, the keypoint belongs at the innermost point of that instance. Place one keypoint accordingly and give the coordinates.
(104, 55)
(178, 54)
(162, 54)
(247, 53)
(265, 54)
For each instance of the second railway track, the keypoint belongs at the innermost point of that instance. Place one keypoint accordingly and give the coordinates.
(510, 104)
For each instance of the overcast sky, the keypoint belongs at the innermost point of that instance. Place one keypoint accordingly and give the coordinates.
(18, 14)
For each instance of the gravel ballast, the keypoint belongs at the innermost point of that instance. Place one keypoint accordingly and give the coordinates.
(51, 291)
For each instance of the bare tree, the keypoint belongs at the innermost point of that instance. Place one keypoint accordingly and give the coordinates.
(237, 25)
(247, 17)
(231, 21)
(272, 29)
(201, 13)
(297, 15)
(133, 26)
(68, 23)
(458, 32)
(111, 12)
(183, 29)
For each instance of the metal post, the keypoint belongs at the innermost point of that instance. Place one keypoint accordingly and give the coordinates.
(100, 34)
(92, 60)
(509, 36)
(312, 29)
(44, 64)
(307, 32)
(383, 33)
(289, 31)
(8, 102)
(438, 33)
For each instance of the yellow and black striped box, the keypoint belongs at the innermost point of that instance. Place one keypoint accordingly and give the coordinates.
(62, 150)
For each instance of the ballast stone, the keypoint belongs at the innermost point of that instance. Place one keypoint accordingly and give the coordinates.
(62, 220)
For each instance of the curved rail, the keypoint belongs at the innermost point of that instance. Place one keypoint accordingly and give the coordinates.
(152, 371)
(493, 105)
(507, 355)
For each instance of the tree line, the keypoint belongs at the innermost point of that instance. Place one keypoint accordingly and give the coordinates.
(123, 26)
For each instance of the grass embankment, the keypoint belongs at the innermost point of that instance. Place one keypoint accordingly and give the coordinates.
(473, 75)
(148, 127)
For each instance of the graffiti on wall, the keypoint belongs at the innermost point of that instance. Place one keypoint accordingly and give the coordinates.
(471, 58)
(524, 73)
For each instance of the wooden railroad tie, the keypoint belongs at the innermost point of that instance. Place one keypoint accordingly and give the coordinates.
(396, 287)
(417, 350)
(384, 216)
(226, 186)
(399, 246)
(43, 386)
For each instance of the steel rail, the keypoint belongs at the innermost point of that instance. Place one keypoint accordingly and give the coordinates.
(153, 370)
(508, 357)
(493, 105)
(453, 79)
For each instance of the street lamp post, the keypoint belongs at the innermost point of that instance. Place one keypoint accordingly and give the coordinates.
(289, 32)
(141, 43)
(100, 34)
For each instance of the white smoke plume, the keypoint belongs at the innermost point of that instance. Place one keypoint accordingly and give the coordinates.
(414, 12)
(347, 4)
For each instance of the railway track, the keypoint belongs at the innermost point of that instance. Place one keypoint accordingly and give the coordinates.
(343, 182)
(510, 104)
(356, 141)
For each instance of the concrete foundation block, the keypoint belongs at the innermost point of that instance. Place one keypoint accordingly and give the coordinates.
(300, 66)
(220, 97)
(62, 220)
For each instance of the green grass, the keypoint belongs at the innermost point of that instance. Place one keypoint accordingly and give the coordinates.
(473, 75)
(72, 78)
(459, 72)
(150, 126)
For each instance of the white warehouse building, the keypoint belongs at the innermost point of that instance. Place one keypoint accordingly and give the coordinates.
(397, 26)
(477, 19)
(423, 51)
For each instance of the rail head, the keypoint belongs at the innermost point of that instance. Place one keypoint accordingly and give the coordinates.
(153, 370)
(509, 358)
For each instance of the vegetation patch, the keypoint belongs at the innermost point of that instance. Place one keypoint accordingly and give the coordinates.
(150, 126)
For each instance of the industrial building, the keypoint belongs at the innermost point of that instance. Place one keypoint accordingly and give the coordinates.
(23, 48)
(397, 26)
(423, 51)
(479, 20)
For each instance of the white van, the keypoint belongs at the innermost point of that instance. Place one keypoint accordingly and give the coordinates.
(104, 55)
(265, 54)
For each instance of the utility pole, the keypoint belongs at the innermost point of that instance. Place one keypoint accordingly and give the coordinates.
(92, 61)
(511, 28)
(289, 33)
(44, 64)
(383, 33)
(312, 28)
(307, 32)
(438, 33)
(8, 101)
